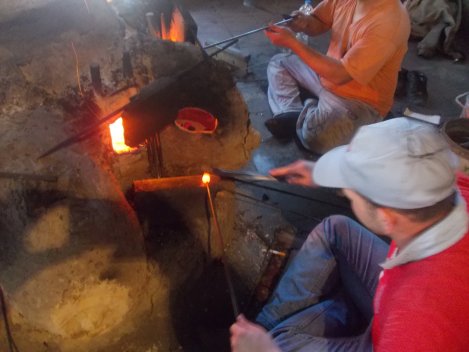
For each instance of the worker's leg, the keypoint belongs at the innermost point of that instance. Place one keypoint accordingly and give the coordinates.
(316, 270)
(286, 73)
(327, 326)
(333, 121)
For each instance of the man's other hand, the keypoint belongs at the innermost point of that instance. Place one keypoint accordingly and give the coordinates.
(298, 173)
(300, 22)
(249, 337)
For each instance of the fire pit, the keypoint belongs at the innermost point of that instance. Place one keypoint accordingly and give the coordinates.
(84, 267)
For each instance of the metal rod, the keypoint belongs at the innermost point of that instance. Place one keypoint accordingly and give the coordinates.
(159, 154)
(87, 132)
(155, 155)
(293, 194)
(11, 342)
(26, 176)
(236, 37)
(95, 73)
(229, 281)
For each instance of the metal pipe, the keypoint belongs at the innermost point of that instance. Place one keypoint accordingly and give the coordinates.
(236, 37)
(95, 73)
(26, 176)
(229, 280)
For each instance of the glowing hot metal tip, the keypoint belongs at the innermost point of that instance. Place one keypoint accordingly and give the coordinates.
(205, 178)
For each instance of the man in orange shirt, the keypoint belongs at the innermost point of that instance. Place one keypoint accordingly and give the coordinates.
(354, 82)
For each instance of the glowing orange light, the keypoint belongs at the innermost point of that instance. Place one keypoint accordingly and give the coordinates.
(117, 136)
(175, 32)
(205, 178)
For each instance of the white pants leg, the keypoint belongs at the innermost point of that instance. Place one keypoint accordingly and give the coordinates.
(323, 124)
(286, 73)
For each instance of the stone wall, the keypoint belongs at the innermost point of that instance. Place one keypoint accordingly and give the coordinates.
(74, 263)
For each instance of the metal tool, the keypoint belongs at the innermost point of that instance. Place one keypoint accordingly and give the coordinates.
(28, 176)
(247, 176)
(229, 280)
(236, 37)
(155, 155)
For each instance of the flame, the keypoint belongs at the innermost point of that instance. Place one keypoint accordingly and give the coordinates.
(117, 136)
(176, 31)
(205, 178)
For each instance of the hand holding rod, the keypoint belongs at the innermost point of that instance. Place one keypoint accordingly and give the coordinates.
(249, 33)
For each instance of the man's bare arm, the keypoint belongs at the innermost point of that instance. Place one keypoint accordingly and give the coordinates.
(331, 69)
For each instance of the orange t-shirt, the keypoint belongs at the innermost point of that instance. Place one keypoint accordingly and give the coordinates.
(371, 49)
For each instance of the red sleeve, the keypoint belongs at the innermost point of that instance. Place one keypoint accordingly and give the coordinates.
(425, 307)
(414, 330)
(462, 181)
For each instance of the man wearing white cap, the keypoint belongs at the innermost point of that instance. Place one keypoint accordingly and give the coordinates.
(347, 290)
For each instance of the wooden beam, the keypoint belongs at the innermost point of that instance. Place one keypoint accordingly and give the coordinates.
(165, 183)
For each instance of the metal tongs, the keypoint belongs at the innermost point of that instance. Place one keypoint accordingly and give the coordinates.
(247, 176)
(287, 18)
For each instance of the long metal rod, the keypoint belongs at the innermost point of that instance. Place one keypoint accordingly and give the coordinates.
(26, 176)
(293, 194)
(236, 37)
(229, 281)
(11, 342)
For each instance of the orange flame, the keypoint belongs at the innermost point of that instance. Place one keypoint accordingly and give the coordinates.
(205, 178)
(176, 32)
(117, 136)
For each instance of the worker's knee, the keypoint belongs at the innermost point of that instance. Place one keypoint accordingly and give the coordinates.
(336, 223)
(321, 131)
(275, 65)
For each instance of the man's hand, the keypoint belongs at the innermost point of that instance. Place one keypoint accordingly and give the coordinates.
(280, 36)
(249, 337)
(298, 173)
(300, 22)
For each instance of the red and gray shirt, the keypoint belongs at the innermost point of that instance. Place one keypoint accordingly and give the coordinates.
(422, 299)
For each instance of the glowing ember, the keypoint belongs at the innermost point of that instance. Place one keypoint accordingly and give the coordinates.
(206, 178)
(117, 136)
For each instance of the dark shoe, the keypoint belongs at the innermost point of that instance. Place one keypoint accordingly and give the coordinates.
(283, 125)
(417, 88)
(401, 88)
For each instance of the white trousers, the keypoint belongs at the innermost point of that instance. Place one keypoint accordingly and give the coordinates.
(324, 122)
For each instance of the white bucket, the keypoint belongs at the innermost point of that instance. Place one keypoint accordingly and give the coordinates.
(456, 133)
(463, 101)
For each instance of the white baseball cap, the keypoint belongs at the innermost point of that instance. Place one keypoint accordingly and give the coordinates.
(400, 163)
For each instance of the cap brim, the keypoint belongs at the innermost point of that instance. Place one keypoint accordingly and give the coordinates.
(328, 171)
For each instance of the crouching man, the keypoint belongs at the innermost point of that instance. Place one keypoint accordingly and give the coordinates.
(349, 290)
(353, 83)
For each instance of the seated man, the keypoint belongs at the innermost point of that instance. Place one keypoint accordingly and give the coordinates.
(399, 177)
(354, 83)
